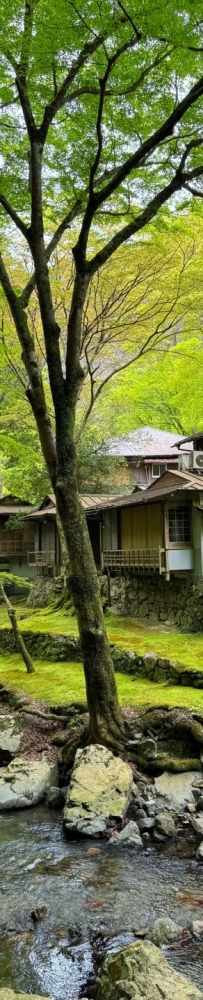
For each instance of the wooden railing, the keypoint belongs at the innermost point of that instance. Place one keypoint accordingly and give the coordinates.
(139, 559)
(43, 558)
(13, 547)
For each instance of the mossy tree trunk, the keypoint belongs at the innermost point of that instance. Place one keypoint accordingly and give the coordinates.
(19, 644)
(106, 719)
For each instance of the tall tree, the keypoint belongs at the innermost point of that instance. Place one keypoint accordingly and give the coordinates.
(92, 125)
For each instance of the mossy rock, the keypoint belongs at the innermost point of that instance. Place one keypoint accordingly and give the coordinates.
(176, 764)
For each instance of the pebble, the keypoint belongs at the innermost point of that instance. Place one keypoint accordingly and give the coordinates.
(197, 928)
(150, 808)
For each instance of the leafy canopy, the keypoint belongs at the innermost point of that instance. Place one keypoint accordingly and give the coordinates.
(155, 52)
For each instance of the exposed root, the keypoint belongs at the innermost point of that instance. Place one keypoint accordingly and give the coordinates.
(49, 716)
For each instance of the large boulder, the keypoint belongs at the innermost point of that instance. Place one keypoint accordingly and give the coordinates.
(24, 783)
(140, 972)
(175, 790)
(99, 792)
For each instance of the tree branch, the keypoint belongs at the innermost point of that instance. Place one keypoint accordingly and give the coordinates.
(152, 142)
(29, 288)
(14, 216)
(35, 393)
(110, 64)
(60, 99)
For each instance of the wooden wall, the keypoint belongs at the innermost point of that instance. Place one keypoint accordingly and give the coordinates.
(141, 527)
(110, 532)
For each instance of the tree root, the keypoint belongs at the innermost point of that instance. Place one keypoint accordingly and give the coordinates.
(44, 715)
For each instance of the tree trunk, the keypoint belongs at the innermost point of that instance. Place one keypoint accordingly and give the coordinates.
(106, 720)
(19, 644)
(65, 599)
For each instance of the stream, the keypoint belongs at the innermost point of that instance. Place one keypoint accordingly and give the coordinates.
(91, 899)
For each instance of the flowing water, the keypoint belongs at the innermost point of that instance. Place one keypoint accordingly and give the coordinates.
(93, 903)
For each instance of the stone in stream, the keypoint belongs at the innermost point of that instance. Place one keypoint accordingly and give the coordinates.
(128, 837)
(164, 931)
(176, 789)
(165, 824)
(99, 793)
(54, 797)
(197, 823)
(197, 928)
(141, 972)
(26, 782)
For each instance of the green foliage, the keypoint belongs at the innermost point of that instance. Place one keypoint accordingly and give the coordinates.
(170, 41)
(7, 579)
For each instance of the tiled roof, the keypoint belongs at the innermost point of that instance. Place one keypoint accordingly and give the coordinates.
(182, 481)
(186, 440)
(144, 442)
(88, 502)
(10, 504)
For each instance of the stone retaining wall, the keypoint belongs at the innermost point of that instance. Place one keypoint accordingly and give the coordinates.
(45, 646)
(178, 601)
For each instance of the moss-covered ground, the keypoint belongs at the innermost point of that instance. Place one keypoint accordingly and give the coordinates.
(64, 682)
(186, 649)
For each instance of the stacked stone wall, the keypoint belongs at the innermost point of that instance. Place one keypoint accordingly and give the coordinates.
(178, 601)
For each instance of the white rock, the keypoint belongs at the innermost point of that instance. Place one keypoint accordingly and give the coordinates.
(176, 789)
(24, 783)
(197, 928)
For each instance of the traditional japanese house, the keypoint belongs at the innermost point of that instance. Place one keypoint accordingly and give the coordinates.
(148, 452)
(15, 542)
(45, 554)
(158, 530)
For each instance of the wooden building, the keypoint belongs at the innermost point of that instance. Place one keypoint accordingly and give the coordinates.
(15, 542)
(148, 453)
(158, 530)
(45, 554)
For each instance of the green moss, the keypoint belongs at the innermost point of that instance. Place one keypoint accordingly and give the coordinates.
(64, 683)
(129, 634)
(185, 649)
(177, 764)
